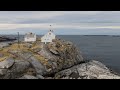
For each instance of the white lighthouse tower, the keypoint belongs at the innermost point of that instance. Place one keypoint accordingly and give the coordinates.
(48, 37)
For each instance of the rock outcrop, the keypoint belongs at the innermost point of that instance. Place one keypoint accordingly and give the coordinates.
(89, 70)
(56, 60)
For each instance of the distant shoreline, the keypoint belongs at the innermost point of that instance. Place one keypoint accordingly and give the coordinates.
(63, 35)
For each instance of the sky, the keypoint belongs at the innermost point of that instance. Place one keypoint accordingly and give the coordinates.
(63, 22)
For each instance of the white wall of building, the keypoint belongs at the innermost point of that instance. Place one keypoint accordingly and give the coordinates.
(30, 39)
(48, 37)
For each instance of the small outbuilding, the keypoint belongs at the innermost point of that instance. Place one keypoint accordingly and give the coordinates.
(30, 37)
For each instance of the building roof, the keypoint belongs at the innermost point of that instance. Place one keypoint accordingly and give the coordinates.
(30, 34)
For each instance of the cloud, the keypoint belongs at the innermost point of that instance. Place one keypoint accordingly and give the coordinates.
(59, 26)
(48, 16)
(62, 21)
(19, 16)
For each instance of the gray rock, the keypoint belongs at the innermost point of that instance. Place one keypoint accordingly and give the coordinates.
(45, 53)
(25, 55)
(6, 63)
(3, 72)
(58, 55)
(28, 77)
(90, 70)
(20, 66)
(54, 51)
(49, 78)
(40, 69)
(69, 43)
(40, 77)
(18, 69)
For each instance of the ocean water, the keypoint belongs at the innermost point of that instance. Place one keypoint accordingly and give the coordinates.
(105, 49)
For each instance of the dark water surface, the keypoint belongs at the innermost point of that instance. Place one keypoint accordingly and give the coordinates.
(105, 49)
(102, 48)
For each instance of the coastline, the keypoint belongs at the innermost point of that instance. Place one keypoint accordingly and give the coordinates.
(111, 69)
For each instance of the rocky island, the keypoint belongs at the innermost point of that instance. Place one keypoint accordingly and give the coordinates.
(59, 59)
(3, 39)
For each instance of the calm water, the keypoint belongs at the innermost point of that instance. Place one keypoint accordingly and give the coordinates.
(102, 48)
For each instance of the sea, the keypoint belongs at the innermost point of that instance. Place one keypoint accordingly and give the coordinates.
(104, 48)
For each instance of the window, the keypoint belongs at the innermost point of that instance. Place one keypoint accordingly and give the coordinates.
(49, 33)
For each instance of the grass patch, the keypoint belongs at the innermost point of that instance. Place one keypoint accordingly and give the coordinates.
(3, 58)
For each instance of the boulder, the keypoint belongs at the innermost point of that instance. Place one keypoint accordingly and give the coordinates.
(6, 63)
(63, 55)
(20, 66)
(40, 69)
(17, 70)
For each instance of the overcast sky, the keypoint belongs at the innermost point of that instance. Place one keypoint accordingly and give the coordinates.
(63, 22)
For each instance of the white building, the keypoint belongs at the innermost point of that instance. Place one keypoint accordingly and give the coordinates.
(30, 37)
(48, 37)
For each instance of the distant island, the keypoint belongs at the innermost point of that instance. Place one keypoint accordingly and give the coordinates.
(4, 38)
(101, 35)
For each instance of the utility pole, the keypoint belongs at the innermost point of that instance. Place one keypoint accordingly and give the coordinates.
(18, 41)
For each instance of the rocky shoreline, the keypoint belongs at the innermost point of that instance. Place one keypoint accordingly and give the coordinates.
(59, 59)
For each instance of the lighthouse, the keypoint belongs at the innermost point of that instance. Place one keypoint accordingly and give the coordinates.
(48, 37)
